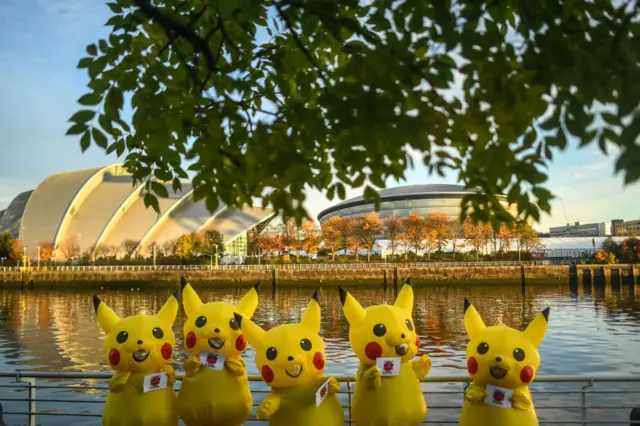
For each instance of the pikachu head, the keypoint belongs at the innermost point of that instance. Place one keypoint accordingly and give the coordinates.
(212, 326)
(381, 330)
(500, 355)
(288, 355)
(140, 343)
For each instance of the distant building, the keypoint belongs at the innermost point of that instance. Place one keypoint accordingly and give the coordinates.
(599, 229)
(624, 229)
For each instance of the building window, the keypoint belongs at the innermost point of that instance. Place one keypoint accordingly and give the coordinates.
(237, 246)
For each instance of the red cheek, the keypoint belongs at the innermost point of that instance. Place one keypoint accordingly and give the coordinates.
(241, 343)
(318, 360)
(267, 374)
(472, 365)
(418, 342)
(166, 351)
(114, 357)
(190, 341)
(373, 350)
(526, 375)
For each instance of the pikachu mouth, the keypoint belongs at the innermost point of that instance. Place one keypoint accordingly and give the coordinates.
(140, 355)
(216, 342)
(497, 372)
(294, 371)
(402, 349)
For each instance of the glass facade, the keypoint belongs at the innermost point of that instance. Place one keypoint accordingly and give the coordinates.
(237, 246)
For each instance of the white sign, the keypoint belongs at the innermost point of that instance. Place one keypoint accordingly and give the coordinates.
(212, 360)
(388, 366)
(153, 382)
(498, 397)
(322, 392)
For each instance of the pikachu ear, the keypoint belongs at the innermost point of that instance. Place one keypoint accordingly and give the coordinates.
(106, 317)
(353, 311)
(169, 310)
(255, 334)
(190, 299)
(537, 328)
(405, 298)
(311, 316)
(249, 302)
(472, 321)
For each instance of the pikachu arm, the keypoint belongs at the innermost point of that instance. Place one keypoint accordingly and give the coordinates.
(171, 374)
(192, 366)
(370, 375)
(334, 386)
(421, 366)
(521, 399)
(236, 365)
(268, 406)
(118, 380)
(476, 393)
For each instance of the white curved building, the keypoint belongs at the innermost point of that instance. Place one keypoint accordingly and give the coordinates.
(101, 206)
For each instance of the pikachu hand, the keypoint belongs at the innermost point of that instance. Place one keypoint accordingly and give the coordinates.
(236, 365)
(521, 401)
(171, 374)
(268, 407)
(334, 386)
(192, 366)
(421, 366)
(372, 377)
(476, 393)
(118, 381)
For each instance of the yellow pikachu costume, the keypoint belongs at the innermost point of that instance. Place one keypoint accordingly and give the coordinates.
(290, 358)
(385, 331)
(139, 349)
(215, 397)
(501, 362)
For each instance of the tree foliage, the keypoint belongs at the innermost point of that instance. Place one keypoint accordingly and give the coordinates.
(70, 248)
(212, 241)
(5, 244)
(367, 229)
(46, 250)
(275, 95)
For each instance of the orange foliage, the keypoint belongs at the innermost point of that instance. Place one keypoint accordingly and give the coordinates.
(330, 231)
(46, 250)
(15, 250)
(413, 234)
(367, 229)
(310, 236)
(393, 232)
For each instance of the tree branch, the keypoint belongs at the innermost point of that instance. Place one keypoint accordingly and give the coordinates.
(191, 22)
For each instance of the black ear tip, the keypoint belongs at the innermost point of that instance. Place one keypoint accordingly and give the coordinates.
(408, 282)
(257, 287)
(343, 295)
(183, 283)
(315, 296)
(545, 312)
(466, 304)
(176, 294)
(238, 318)
(96, 303)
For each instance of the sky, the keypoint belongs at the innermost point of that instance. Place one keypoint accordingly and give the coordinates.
(39, 86)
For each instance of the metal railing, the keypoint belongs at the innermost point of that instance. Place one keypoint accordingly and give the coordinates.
(312, 266)
(559, 400)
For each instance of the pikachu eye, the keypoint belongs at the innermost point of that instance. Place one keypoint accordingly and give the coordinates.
(234, 324)
(201, 321)
(379, 330)
(305, 344)
(409, 325)
(122, 337)
(518, 354)
(272, 353)
(158, 333)
(483, 348)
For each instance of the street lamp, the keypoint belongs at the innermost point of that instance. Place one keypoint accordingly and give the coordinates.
(38, 248)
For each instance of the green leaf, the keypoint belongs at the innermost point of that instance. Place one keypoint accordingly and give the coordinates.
(92, 50)
(103, 45)
(82, 116)
(151, 200)
(90, 99)
(85, 141)
(159, 189)
(115, 7)
(84, 63)
(99, 138)
(77, 129)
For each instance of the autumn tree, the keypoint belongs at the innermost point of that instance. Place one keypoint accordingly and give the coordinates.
(15, 250)
(454, 230)
(103, 251)
(310, 236)
(166, 248)
(367, 229)
(212, 241)
(437, 225)
(347, 240)
(129, 247)
(289, 234)
(331, 233)
(46, 250)
(506, 235)
(183, 246)
(393, 230)
(70, 248)
(414, 231)
(630, 250)
(526, 237)
(477, 235)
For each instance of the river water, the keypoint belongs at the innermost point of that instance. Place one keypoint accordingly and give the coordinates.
(595, 332)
